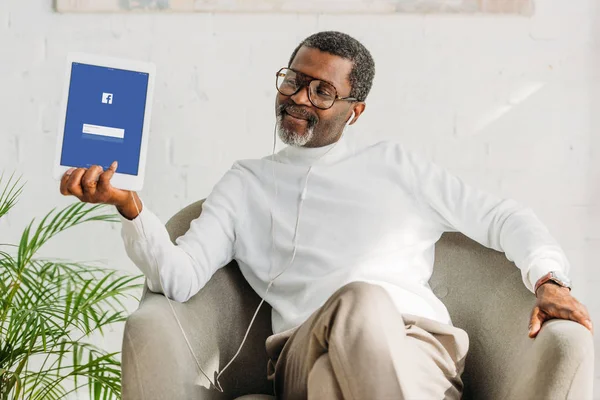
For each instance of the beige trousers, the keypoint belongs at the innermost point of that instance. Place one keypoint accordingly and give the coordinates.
(358, 346)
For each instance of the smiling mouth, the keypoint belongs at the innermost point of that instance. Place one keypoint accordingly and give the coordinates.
(294, 117)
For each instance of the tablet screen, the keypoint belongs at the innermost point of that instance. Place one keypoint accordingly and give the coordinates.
(105, 117)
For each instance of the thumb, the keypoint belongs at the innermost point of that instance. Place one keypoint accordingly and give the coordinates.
(112, 169)
(106, 175)
(535, 323)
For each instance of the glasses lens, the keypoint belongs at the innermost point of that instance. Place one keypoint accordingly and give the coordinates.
(286, 82)
(322, 94)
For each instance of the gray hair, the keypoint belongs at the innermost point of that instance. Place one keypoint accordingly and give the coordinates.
(342, 45)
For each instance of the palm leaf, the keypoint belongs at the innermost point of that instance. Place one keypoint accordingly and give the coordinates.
(10, 193)
(51, 225)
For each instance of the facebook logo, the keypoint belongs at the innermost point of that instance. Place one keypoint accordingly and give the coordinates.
(107, 98)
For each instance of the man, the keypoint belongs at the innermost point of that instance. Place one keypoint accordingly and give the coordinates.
(353, 314)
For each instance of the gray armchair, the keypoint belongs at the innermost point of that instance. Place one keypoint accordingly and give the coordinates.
(481, 288)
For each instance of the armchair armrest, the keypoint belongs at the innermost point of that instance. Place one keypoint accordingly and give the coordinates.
(485, 295)
(157, 363)
(559, 364)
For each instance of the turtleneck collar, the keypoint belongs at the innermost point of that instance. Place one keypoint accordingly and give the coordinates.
(323, 155)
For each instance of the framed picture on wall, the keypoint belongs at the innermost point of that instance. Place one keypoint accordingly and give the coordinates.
(519, 7)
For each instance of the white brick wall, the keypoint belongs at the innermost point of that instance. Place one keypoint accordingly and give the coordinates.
(440, 81)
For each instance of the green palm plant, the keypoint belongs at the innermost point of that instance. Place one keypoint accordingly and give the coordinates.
(49, 308)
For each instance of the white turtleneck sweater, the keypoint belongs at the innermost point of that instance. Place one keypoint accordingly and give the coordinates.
(370, 214)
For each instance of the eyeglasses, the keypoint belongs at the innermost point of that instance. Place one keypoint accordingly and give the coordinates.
(320, 93)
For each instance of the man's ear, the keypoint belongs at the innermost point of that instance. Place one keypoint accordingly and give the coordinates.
(358, 109)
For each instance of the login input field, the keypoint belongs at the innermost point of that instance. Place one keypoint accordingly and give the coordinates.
(104, 131)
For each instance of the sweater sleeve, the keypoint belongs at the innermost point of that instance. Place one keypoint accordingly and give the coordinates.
(501, 224)
(186, 266)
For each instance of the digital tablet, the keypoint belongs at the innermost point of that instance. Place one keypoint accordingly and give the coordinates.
(105, 116)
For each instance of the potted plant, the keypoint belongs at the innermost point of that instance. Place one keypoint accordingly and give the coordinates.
(49, 308)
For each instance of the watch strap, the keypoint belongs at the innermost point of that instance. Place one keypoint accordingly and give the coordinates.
(549, 277)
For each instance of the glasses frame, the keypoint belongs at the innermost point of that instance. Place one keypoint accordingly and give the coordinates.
(307, 85)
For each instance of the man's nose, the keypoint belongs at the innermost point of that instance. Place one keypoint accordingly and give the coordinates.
(301, 97)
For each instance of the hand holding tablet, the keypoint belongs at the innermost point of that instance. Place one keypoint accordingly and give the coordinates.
(92, 185)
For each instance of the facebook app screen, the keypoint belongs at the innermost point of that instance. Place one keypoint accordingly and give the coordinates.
(105, 117)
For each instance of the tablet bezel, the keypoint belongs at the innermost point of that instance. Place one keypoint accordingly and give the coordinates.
(121, 181)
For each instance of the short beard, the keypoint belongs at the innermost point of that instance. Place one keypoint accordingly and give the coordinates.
(292, 138)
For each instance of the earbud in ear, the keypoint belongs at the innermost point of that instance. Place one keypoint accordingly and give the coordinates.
(350, 119)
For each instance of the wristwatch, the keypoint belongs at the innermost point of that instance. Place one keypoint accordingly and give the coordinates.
(557, 277)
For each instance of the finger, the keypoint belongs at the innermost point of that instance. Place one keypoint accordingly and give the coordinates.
(587, 320)
(90, 181)
(104, 180)
(536, 321)
(63, 181)
(580, 316)
(74, 183)
(589, 324)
